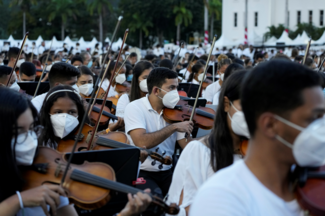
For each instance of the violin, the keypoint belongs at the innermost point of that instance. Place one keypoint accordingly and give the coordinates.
(204, 117)
(182, 93)
(125, 87)
(243, 147)
(88, 186)
(114, 99)
(104, 118)
(310, 189)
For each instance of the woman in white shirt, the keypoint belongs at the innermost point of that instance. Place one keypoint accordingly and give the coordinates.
(139, 87)
(214, 152)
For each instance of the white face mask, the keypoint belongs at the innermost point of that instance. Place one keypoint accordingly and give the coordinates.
(170, 99)
(63, 124)
(120, 78)
(201, 77)
(86, 89)
(238, 123)
(143, 85)
(75, 87)
(20, 61)
(15, 86)
(309, 146)
(48, 67)
(26, 145)
(222, 76)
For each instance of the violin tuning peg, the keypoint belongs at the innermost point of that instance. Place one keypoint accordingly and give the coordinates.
(153, 163)
(160, 166)
(157, 149)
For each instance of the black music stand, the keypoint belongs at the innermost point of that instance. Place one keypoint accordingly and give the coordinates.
(186, 86)
(100, 101)
(125, 163)
(30, 87)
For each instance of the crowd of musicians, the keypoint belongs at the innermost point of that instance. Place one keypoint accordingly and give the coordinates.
(268, 120)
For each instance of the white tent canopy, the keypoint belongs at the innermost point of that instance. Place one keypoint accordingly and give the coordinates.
(222, 41)
(82, 42)
(284, 39)
(117, 45)
(271, 41)
(321, 40)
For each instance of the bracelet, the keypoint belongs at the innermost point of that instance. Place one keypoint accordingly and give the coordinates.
(20, 200)
(108, 130)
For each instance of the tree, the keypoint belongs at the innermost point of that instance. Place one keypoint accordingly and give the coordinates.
(183, 15)
(274, 31)
(63, 8)
(141, 24)
(215, 8)
(102, 7)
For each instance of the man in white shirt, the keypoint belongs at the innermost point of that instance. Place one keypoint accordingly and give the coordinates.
(182, 52)
(41, 48)
(60, 74)
(280, 99)
(185, 72)
(158, 51)
(146, 127)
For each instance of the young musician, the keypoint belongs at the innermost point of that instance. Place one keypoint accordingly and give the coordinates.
(139, 87)
(27, 72)
(4, 76)
(61, 74)
(185, 73)
(214, 152)
(212, 89)
(145, 126)
(281, 102)
(197, 73)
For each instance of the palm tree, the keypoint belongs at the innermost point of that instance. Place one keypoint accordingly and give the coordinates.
(183, 15)
(215, 8)
(101, 6)
(140, 23)
(64, 9)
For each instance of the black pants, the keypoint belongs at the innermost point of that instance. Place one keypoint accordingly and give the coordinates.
(159, 183)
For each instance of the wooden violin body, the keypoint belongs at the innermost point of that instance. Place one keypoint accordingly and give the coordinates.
(123, 88)
(95, 113)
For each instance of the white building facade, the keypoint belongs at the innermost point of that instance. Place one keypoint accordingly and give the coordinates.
(265, 13)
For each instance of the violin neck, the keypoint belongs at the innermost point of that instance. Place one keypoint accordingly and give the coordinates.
(204, 113)
(112, 143)
(91, 179)
(107, 114)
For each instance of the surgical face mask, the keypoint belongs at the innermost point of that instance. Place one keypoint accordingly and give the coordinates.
(20, 61)
(309, 146)
(238, 123)
(15, 86)
(25, 149)
(90, 63)
(120, 78)
(143, 85)
(48, 67)
(170, 99)
(201, 77)
(63, 124)
(75, 87)
(86, 89)
(129, 77)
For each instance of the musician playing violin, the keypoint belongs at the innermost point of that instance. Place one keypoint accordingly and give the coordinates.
(145, 126)
(281, 100)
(4, 76)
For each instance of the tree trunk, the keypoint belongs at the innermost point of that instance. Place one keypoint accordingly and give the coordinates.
(62, 31)
(24, 24)
(178, 37)
(140, 39)
(211, 26)
(160, 37)
(101, 27)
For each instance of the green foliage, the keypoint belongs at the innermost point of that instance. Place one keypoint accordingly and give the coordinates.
(63, 9)
(274, 31)
(214, 7)
(140, 23)
(183, 15)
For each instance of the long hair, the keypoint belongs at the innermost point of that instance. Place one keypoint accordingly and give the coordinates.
(219, 140)
(13, 104)
(111, 68)
(195, 69)
(137, 71)
(47, 137)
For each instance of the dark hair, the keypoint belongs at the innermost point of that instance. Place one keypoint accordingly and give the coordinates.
(137, 71)
(204, 57)
(111, 68)
(158, 77)
(247, 60)
(128, 68)
(298, 58)
(220, 141)
(231, 69)
(281, 56)
(82, 56)
(61, 72)
(84, 70)
(309, 62)
(13, 52)
(133, 54)
(4, 71)
(294, 53)
(27, 68)
(150, 57)
(259, 55)
(195, 69)
(76, 58)
(166, 63)
(278, 85)
(13, 104)
(42, 58)
(238, 61)
(47, 136)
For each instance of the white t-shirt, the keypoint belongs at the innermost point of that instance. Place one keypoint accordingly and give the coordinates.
(181, 53)
(186, 75)
(158, 52)
(105, 85)
(199, 52)
(191, 171)
(216, 98)
(122, 102)
(140, 114)
(41, 49)
(211, 90)
(38, 211)
(236, 191)
(38, 101)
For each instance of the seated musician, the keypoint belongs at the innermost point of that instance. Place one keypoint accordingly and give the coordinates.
(280, 100)
(217, 150)
(119, 79)
(185, 73)
(197, 74)
(60, 74)
(145, 126)
(18, 123)
(27, 72)
(4, 76)
(77, 61)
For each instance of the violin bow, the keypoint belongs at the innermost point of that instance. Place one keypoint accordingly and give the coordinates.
(109, 86)
(321, 65)
(32, 55)
(20, 51)
(201, 82)
(40, 79)
(307, 51)
(176, 61)
(189, 64)
(113, 37)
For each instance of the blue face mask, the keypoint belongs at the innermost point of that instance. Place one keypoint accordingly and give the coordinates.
(90, 63)
(324, 92)
(129, 77)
